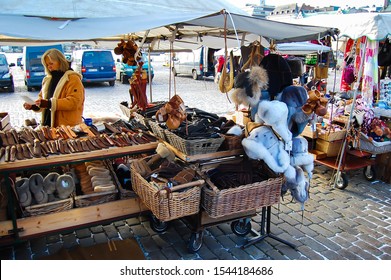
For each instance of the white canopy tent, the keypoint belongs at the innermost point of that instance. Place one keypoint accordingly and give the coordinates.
(376, 26)
(187, 22)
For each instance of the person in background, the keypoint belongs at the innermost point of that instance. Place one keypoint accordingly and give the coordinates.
(61, 99)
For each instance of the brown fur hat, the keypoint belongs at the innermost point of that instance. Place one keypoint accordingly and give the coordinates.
(248, 86)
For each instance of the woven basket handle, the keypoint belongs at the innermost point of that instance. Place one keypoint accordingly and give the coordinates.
(182, 186)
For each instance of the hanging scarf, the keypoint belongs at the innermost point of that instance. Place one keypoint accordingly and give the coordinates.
(370, 73)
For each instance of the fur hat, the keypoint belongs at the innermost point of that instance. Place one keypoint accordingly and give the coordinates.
(295, 97)
(275, 114)
(248, 86)
(279, 73)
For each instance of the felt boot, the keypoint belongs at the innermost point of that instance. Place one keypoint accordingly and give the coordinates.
(36, 188)
(23, 190)
(65, 186)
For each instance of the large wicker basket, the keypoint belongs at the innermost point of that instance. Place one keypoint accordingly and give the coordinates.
(165, 206)
(372, 147)
(218, 203)
(194, 147)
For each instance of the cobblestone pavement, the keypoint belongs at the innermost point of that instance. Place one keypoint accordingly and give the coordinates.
(349, 224)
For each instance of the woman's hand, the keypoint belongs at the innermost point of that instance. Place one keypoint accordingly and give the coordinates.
(42, 103)
(27, 106)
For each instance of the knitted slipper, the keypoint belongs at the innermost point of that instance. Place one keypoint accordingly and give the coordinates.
(65, 186)
(36, 187)
(23, 190)
(49, 182)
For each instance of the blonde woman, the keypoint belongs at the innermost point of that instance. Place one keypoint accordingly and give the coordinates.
(61, 99)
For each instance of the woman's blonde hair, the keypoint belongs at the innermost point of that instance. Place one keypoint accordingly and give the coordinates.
(57, 55)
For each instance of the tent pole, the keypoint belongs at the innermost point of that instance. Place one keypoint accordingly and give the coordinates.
(351, 115)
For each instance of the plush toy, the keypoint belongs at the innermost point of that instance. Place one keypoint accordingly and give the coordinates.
(376, 134)
(263, 144)
(275, 114)
(300, 156)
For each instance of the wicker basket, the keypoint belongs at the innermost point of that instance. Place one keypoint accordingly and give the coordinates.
(218, 203)
(123, 193)
(99, 197)
(372, 147)
(194, 147)
(165, 206)
(157, 130)
(48, 208)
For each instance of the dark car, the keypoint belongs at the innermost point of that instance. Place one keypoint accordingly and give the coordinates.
(6, 78)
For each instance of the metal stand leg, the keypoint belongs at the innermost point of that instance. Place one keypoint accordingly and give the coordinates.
(266, 220)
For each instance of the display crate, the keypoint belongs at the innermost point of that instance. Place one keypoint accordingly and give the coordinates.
(218, 203)
(331, 149)
(165, 205)
(99, 197)
(194, 147)
(50, 207)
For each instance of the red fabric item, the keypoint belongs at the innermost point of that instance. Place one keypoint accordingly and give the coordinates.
(221, 61)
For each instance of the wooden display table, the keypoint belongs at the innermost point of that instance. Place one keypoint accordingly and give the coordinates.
(16, 228)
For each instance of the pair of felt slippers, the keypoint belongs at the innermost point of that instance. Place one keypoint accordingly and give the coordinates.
(39, 190)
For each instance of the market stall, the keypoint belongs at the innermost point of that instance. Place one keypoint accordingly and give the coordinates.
(361, 107)
(190, 22)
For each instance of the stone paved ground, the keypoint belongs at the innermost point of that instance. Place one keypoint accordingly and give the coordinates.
(350, 224)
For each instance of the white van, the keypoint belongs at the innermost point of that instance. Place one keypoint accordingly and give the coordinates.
(198, 63)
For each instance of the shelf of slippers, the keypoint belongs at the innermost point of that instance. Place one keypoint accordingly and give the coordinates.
(46, 146)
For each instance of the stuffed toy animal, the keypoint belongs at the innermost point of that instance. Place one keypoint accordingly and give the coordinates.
(376, 134)
(275, 114)
(263, 144)
(300, 156)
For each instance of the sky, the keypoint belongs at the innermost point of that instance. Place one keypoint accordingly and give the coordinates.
(320, 3)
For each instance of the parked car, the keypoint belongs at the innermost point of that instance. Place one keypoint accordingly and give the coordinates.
(6, 78)
(198, 63)
(34, 72)
(94, 65)
(125, 71)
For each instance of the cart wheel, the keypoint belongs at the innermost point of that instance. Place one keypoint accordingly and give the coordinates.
(341, 180)
(369, 173)
(157, 225)
(195, 242)
(241, 227)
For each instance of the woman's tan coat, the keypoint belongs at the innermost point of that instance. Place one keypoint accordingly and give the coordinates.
(67, 101)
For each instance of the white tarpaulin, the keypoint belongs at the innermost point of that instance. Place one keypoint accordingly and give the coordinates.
(193, 22)
(376, 26)
(301, 48)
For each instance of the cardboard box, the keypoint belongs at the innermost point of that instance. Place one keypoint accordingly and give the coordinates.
(309, 133)
(4, 120)
(331, 149)
(331, 136)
